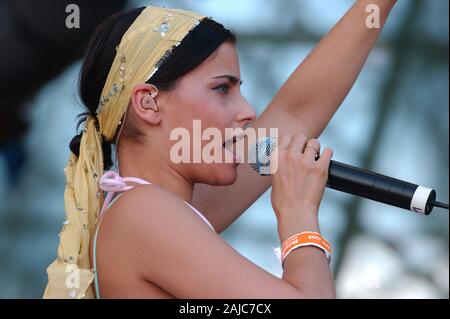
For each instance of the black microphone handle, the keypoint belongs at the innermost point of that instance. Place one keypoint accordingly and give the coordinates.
(380, 188)
(357, 181)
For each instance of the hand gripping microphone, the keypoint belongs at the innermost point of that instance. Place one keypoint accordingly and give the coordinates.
(357, 181)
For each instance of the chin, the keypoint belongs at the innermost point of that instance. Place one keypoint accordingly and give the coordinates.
(225, 174)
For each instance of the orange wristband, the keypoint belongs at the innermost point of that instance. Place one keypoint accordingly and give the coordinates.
(305, 239)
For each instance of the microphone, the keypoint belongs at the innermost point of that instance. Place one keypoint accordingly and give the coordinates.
(357, 181)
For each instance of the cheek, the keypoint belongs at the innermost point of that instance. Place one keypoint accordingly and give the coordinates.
(211, 113)
(208, 107)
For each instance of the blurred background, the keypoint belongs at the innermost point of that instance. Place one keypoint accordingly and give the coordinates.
(395, 121)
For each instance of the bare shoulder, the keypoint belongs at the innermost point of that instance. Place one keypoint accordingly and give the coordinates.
(151, 214)
(147, 205)
(173, 248)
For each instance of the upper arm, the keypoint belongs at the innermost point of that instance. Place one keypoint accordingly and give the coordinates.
(180, 253)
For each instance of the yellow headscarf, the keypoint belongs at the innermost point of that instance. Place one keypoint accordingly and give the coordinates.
(142, 49)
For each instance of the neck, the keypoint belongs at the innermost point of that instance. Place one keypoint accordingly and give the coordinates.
(149, 167)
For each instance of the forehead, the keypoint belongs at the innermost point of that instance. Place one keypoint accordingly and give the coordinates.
(224, 60)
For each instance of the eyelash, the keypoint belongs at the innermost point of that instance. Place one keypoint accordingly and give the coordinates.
(226, 86)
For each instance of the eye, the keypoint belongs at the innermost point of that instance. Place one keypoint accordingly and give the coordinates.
(224, 88)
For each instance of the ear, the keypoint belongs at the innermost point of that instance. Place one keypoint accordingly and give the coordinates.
(144, 101)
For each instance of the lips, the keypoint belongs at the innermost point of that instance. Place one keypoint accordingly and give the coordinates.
(229, 145)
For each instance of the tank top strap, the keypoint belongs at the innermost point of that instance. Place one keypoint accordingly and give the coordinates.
(111, 182)
(201, 216)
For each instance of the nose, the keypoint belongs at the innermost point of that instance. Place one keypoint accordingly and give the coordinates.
(246, 113)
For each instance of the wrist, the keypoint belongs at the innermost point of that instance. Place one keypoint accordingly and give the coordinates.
(305, 239)
(301, 223)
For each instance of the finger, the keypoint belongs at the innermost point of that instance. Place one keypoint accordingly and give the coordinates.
(312, 148)
(274, 160)
(297, 145)
(325, 158)
(284, 141)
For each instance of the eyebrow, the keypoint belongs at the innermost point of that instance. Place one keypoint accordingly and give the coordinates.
(231, 78)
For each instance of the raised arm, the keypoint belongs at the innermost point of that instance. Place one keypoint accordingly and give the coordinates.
(322, 81)
(305, 103)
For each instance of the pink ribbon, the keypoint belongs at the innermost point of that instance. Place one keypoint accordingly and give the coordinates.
(112, 182)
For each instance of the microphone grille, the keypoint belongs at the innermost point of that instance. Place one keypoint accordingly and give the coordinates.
(259, 155)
